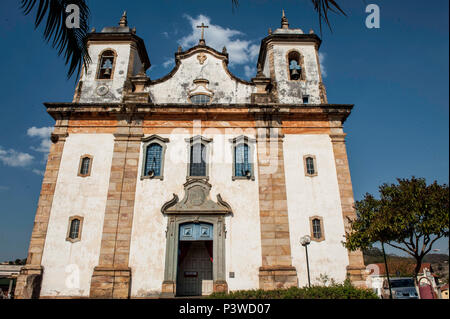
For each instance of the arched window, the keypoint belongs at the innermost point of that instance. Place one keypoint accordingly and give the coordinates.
(85, 165)
(295, 66)
(106, 65)
(197, 160)
(310, 165)
(200, 99)
(317, 232)
(153, 160)
(153, 150)
(242, 167)
(75, 226)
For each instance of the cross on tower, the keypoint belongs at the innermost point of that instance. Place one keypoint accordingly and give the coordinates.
(203, 26)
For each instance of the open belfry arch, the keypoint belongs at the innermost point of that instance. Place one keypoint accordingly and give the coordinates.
(268, 158)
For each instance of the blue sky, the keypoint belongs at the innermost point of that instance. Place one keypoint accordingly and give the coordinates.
(397, 77)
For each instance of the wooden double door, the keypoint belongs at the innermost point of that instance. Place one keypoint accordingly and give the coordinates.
(195, 268)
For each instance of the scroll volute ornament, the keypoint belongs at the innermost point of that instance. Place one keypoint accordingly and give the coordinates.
(196, 201)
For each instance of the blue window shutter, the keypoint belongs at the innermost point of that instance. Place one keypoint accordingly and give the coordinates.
(194, 232)
(153, 159)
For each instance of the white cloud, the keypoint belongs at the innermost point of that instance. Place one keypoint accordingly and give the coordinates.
(38, 172)
(249, 72)
(168, 63)
(322, 65)
(3, 188)
(14, 158)
(165, 34)
(44, 134)
(240, 51)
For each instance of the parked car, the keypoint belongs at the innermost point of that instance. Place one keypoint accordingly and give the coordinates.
(402, 288)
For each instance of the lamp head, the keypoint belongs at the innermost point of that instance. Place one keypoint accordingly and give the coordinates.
(305, 240)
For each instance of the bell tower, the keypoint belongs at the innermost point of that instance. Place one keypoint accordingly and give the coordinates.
(117, 54)
(290, 58)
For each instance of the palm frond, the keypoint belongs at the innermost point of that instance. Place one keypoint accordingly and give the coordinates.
(322, 7)
(234, 4)
(70, 42)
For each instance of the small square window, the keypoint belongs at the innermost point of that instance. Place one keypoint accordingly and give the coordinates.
(305, 99)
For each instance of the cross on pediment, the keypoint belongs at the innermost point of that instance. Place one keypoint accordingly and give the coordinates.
(203, 27)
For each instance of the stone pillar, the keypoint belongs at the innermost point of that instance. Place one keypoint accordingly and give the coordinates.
(112, 277)
(28, 283)
(356, 268)
(276, 270)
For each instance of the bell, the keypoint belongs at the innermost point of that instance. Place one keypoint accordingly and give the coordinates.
(295, 75)
(108, 72)
(151, 173)
(248, 174)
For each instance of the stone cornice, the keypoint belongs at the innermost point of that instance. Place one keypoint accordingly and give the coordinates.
(324, 111)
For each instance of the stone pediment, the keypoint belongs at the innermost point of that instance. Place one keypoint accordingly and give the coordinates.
(196, 201)
(203, 55)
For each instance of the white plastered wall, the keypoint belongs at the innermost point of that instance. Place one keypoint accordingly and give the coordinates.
(68, 266)
(225, 89)
(314, 196)
(148, 242)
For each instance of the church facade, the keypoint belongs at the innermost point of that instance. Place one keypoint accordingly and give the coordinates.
(195, 182)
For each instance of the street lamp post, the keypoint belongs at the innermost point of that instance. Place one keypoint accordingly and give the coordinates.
(305, 241)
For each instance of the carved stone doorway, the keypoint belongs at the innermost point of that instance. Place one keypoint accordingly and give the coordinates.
(195, 210)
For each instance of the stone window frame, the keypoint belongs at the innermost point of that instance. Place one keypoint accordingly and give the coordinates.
(322, 229)
(81, 164)
(305, 166)
(206, 142)
(147, 141)
(97, 74)
(204, 83)
(71, 218)
(251, 144)
(301, 63)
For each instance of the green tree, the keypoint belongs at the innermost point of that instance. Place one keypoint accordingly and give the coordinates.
(72, 41)
(410, 216)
